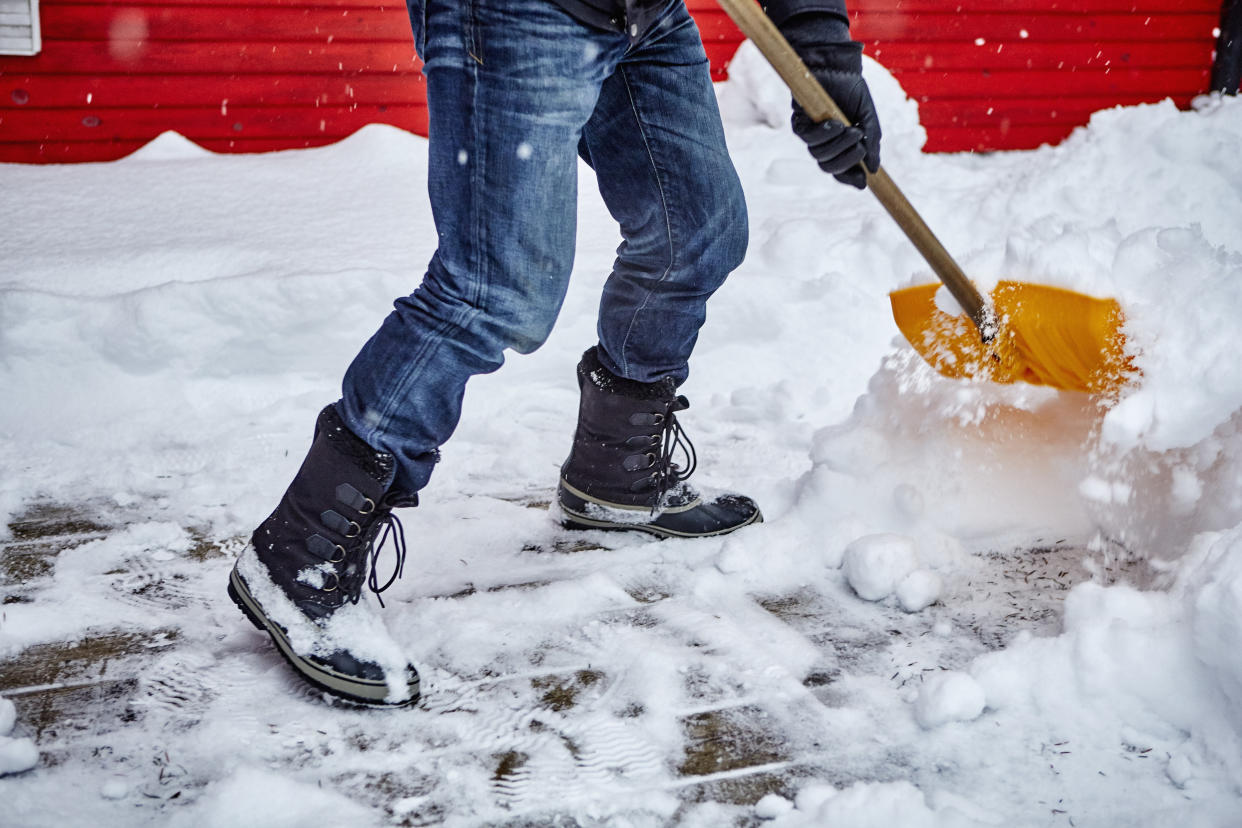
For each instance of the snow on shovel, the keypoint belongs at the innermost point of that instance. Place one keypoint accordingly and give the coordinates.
(1023, 332)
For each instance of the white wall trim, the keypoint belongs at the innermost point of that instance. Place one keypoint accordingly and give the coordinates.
(19, 27)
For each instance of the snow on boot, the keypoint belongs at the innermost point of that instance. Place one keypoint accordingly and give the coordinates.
(300, 579)
(620, 473)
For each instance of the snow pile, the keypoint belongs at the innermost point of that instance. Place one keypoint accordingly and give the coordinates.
(1159, 668)
(17, 754)
(1159, 461)
(922, 466)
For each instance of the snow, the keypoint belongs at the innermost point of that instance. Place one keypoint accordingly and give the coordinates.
(870, 805)
(256, 796)
(1052, 583)
(354, 628)
(16, 754)
(919, 590)
(875, 564)
(114, 789)
(949, 696)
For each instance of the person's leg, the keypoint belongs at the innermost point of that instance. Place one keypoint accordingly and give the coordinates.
(510, 84)
(658, 148)
(509, 87)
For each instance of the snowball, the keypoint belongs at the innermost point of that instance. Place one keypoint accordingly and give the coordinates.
(17, 755)
(919, 590)
(772, 806)
(948, 696)
(875, 564)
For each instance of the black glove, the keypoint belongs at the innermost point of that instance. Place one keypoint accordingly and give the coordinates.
(822, 41)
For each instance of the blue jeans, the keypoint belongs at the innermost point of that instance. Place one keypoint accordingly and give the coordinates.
(517, 90)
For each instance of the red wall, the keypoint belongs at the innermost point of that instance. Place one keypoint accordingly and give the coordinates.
(253, 75)
(234, 75)
(1014, 91)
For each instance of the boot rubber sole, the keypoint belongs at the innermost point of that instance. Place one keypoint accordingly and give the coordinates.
(352, 689)
(571, 501)
(572, 520)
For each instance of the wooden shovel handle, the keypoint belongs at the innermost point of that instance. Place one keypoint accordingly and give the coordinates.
(820, 106)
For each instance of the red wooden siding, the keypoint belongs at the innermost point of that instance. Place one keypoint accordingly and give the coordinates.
(234, 75)
(253, 75)
(1009, 74)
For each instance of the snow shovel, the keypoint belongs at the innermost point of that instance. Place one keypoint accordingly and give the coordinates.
(1022, 333)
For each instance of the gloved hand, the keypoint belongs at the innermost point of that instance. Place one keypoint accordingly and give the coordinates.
(822, 41)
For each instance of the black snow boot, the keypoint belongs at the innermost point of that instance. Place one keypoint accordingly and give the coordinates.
(300, 579)
(620, 473)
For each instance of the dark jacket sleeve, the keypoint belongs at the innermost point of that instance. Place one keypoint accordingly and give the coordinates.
(781, 10)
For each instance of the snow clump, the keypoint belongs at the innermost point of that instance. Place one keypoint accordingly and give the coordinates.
(949, 696)
(875, 564)
(16, 754)
(919, 590)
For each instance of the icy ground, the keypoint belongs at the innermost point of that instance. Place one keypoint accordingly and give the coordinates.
(969, 605)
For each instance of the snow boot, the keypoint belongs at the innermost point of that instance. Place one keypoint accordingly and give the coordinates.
(620, 473)
(300, 579)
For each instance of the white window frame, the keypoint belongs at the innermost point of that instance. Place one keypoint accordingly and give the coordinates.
(19, 27)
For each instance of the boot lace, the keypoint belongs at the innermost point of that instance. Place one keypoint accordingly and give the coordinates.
(386, 527)
(392, 529)
(672, 437)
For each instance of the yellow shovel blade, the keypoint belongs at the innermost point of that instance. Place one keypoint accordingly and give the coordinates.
(1048, 336)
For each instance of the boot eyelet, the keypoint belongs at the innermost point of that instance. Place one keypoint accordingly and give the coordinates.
(336, 583)
(368, 506)
(338, 554)
(354, 530)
